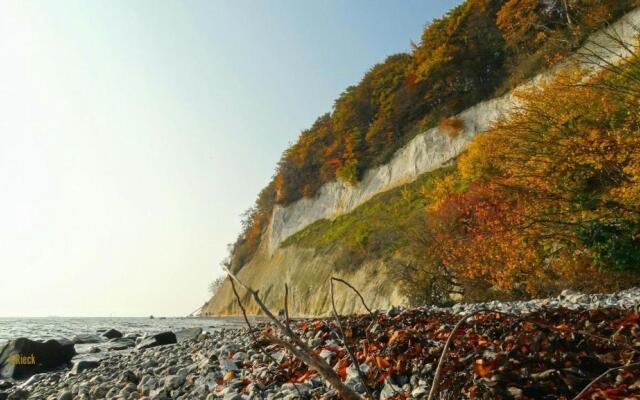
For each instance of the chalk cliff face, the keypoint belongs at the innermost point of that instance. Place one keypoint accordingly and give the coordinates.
(426, 152)
(307, 272)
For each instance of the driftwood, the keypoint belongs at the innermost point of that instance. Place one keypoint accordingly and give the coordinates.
(302, 351)
(354, 359)
(296, 346)
(252, 331)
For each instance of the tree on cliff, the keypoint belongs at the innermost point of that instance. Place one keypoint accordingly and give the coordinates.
(549, 195)
(479, 49)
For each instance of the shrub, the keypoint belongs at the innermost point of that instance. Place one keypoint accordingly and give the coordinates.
(452, 126)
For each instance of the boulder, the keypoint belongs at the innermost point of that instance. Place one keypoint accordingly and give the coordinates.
(84, 339)
(21, 358)
(112, 334)
(158, 339)
(188, 334)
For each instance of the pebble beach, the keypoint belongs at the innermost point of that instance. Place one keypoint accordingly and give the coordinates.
(541, 349)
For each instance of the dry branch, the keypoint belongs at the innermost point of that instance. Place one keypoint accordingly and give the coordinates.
(286, 305)
(354, 359)
(296, 346)
(355, 290)
(607, 372)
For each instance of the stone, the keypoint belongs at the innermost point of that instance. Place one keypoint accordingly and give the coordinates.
(188, 334)
(121, 343)
(112, 334)
(129, 376)
(228, 365)
(173, 381)
(33, 357)
(158, 339)
(279, 356)
(83, 365)
(352, 372)
(84, 339)
(99, 391)
(390, 389)
(19, 394)
(65, 395)
(419, 392)
(327, 355)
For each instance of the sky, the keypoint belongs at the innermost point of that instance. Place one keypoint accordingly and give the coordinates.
(134, 134)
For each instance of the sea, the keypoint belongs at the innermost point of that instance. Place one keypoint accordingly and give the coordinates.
(58, 327)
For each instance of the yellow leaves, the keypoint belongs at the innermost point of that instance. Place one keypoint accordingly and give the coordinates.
(479, 161)
(440, 191)
(569, 155)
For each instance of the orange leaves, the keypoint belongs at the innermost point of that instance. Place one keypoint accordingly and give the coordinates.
(341, 368)
(382, 363)
(396, 336)
(482, 368)
(568, 156)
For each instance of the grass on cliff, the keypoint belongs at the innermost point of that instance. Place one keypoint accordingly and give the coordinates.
(376, 229)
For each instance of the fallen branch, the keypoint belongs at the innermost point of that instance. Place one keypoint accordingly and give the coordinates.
(296, 346)
(607, 372)
(286, 305)
(354, 289)
(354, 359)
(436, 377)
(252, 331)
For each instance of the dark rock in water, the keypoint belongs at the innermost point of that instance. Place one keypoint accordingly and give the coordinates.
(112, 334)
(83, 339)
(83, 365)
(158, 340)
(189, 333)
(22, 357)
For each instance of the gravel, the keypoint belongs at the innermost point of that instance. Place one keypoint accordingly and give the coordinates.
(225, 364)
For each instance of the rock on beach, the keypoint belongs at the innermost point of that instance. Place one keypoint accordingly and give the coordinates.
(495, 357)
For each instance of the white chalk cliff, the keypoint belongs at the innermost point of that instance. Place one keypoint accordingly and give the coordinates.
(307, 272)
(431, 149)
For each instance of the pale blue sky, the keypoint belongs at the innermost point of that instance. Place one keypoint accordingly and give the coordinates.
(135, 133)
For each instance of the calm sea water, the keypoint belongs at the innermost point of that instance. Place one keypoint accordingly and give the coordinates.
(53, 328)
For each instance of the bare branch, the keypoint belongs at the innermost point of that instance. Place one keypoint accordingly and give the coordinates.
(436, 377)
(252, 331)
(354, 359)
(286, 305)
(298, 347)
(607, 372)
(354, 289)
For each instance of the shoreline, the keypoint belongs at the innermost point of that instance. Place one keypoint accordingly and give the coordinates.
(494, 355)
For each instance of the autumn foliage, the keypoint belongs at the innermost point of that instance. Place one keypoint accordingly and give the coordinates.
(479, 49)
(549, 196)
